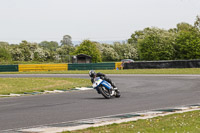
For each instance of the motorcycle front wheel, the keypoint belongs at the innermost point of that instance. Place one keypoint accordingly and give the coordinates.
(105, 92)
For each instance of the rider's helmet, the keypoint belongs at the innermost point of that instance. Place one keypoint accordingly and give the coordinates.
(92, 73)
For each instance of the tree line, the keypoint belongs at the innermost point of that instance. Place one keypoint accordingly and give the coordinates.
(50, 51)
(151, 43)
(180, 43)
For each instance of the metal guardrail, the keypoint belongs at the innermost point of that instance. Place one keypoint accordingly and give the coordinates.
(91, 66)
(43, 67)
(58, 67)
(8, 68)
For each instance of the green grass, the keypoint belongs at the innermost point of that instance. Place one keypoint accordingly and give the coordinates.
(129, 71)
(188, 122)
(21, 85)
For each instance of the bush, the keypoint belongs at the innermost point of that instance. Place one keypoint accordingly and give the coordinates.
(4, 54)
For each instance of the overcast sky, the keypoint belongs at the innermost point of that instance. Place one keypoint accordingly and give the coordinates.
(39, 20)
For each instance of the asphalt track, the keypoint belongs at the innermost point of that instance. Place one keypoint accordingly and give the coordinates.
(139, 93)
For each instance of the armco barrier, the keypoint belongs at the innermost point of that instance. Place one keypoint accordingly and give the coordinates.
(91, 66)
(8, 68)
(163, 64)
(42, 67)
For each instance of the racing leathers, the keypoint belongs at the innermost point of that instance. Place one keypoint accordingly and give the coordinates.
(103, 77)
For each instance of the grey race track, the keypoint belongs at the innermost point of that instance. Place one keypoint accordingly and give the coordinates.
(139, 93)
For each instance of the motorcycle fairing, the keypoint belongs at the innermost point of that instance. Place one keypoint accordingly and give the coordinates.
(99, 81)
(106, 84)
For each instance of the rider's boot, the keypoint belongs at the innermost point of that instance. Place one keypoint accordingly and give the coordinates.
(115, 88)
(117, 92)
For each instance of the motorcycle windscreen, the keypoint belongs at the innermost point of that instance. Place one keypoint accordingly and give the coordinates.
(106, 84)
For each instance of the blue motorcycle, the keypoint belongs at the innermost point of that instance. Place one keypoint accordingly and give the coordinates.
(105, 88)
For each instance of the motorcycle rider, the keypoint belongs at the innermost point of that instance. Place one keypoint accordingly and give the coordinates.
(93, 75)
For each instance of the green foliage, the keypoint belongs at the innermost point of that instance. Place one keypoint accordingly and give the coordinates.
(27, 51)
(52, 45)
(182, 42)
(108, 53)
(188, 43)
(136, 36)
(4, 45)
(156, 44)
(126, 51)
(183, 27)
(17, 54)
(65, 52)
(89, 48)
(4, 54)
(197, 22)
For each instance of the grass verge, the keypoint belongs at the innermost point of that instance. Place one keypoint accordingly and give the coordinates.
(21, 85)
(188, 122)
(129, 71)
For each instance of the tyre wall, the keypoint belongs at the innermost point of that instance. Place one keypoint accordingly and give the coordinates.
(163, 64)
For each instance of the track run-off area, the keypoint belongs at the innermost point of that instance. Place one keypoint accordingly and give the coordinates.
(138, 93)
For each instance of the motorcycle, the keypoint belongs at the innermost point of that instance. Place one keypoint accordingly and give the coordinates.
(105, 88)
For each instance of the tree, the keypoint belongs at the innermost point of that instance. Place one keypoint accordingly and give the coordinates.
(197, 22)
(125, 50)
(4, 45)
(183, 27)
(65, 52)
(67, 40)
(17, 54)
(4, 54)
(89, 48)
(136, 36)
(108, 53)
(187, 43)
(25, 48)
(27, 51)
(51, 46)
(156, 44)
(41, 54)
(130, 52)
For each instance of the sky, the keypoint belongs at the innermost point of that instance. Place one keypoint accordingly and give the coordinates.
(99, 20)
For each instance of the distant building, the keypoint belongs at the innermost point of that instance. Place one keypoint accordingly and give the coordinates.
(82, 58)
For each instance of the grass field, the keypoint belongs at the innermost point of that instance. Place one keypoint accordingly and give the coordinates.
(188, 122)
(21, 85)
(129, 71)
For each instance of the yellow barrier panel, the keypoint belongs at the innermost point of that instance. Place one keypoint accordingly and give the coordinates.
(42, 67)
(118, 66)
